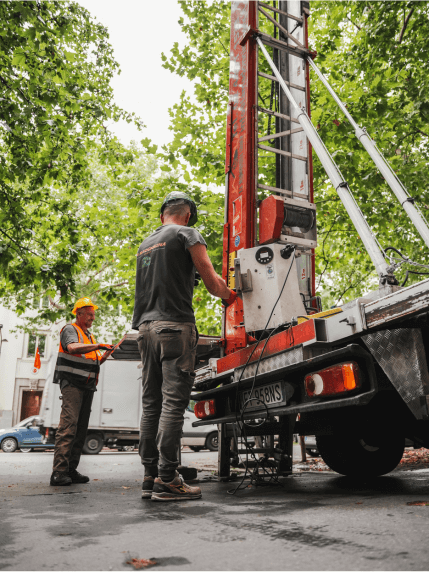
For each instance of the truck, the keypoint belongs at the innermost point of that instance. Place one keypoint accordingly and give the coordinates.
(117, 405)
(355, 376)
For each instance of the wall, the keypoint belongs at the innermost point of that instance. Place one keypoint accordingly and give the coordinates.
(16, 369)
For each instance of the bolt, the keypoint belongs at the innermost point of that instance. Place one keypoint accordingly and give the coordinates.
(259, 307)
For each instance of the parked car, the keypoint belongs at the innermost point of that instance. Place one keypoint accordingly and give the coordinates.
(311, 446)
(197, 438)
(24, 436)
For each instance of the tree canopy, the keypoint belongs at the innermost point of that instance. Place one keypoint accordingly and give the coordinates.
(56, 64)
(75, 203)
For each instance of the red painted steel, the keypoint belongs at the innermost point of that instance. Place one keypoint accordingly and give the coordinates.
(297, 335)
(240, 206)
(271, 217)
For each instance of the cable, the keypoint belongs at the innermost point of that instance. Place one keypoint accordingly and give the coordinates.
(411, 272)
(255, 476)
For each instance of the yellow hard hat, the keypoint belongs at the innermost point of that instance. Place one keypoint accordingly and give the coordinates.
(83, 303)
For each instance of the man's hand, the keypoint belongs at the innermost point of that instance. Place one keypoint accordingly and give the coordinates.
(212, 281)
(232, 298)
(105, 347)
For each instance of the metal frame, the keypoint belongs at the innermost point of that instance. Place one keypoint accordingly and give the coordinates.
(385, 169)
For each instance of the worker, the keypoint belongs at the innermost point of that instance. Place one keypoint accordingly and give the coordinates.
(76, 371)
(167, 261)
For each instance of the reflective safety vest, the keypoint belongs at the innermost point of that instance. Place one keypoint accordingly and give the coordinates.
(78, 369)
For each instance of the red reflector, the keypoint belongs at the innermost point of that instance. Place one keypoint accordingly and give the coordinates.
(205, 409)
(47, 433)
(333, 380)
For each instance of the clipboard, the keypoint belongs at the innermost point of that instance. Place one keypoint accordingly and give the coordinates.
(108, 353)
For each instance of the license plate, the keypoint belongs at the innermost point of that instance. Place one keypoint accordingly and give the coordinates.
(269, 395)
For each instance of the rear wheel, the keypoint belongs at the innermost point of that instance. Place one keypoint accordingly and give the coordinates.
(353, 456)
(93, 444)
(212, 441)
(9, 445)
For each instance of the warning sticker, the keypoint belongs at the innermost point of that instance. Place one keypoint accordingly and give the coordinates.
(269, 269)
(236, 216)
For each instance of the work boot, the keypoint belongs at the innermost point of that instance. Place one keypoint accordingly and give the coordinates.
(147, 487)
(177, 489)
(76, 477)
(60, 479)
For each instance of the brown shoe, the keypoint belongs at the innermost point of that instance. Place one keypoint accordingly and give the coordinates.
(176, 490)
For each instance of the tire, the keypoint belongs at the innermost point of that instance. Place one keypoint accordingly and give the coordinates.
(25, 449)
(313, 453)
(93, 444)
(212, 441)
(9, 445)
(354, 457)
(195, 448)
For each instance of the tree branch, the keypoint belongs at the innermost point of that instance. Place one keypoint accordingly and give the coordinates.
(350, 20)
(20, 246)
(422, 132)
(404, 27)
(19, 89)
(110, 286)
(55, 305)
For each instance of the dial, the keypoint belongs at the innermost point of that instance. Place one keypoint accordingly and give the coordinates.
(264, 255)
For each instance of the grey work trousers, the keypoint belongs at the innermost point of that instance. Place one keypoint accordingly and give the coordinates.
(168, 351)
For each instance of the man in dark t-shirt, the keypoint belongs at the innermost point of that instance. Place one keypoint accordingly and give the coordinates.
(166, 264)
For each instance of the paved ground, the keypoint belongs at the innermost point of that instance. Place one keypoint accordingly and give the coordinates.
(317, 521)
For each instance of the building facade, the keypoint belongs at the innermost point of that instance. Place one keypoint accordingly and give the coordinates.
(21, 385)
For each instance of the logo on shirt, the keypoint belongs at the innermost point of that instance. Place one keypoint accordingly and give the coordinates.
(159, 245)
(146, 260)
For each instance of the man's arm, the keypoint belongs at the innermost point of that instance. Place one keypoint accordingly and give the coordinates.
(76, 348)
(212, 281)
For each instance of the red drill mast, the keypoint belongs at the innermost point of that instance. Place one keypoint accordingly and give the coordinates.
(251, 140)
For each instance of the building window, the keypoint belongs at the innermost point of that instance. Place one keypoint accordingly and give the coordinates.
(34, 341)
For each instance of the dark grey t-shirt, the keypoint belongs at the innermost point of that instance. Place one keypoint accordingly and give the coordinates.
(165, 275)
(69, 336)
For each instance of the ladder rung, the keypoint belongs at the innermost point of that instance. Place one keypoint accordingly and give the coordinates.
(279, 45)
(280, 12)
(282, 191)
(273, 78)
(271, 112)
(281, 152)
(281, 134)
(282, 29)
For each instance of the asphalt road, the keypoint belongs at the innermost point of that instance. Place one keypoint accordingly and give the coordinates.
(316, 521)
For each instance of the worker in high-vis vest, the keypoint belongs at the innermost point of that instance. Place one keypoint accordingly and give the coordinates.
(76, 371)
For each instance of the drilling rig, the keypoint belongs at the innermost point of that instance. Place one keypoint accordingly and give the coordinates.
(356, 377)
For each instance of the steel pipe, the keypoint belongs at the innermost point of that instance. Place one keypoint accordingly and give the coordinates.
(381, 163)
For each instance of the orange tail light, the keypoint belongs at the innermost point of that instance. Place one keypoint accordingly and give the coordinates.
(205, 409)
(333, 380)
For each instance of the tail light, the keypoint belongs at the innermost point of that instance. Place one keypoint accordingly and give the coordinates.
(47, 433)
(333, 380)
(205, 409)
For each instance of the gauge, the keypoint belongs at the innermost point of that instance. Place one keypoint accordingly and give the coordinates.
(264, 255)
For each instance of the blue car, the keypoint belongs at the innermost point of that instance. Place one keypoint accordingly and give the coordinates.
(24, 436)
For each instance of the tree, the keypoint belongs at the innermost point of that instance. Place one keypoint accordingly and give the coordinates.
(117, 210)
(375, 54)
(56, 64)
